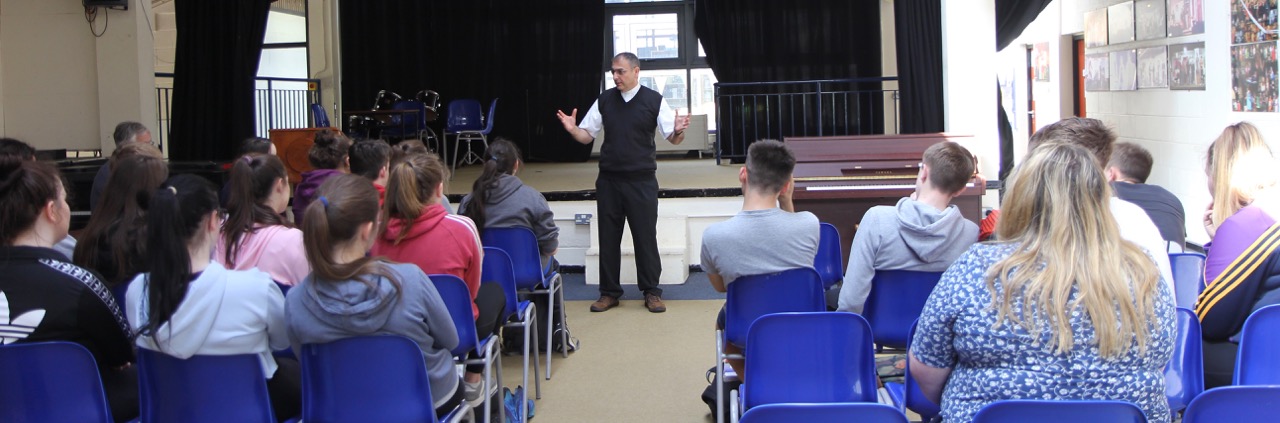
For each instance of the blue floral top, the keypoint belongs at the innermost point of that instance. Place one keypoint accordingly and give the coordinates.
(956, 331)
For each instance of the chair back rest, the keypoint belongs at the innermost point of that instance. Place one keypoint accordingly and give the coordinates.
(824, 413)
(464, 115)
(1259, 345)
(39, 380)
(365, 378)
(1188, 278)
(827, 262)
(1234, 404)
(522, 246)
(1040, 411)
(203, 388)
(319, 116)
(1184, 376)
(417, 120)
(897, 297)
(458, 300)
(749, 297)
(913, 396)
(819, 357)
(497, 268)
(488, 119)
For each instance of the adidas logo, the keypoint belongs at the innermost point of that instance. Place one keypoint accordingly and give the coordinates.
(19, 328)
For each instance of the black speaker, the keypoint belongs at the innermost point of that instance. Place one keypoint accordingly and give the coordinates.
(112, 4)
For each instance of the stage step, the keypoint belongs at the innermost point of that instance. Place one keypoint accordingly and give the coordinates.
(673, 239)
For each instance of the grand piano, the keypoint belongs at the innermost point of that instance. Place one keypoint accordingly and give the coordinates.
(839, 178)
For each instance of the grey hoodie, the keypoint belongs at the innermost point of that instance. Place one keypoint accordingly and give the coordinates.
(909, 236)
(320, 312)
(513, 204)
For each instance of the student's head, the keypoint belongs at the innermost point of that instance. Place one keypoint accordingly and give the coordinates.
(131, 132)
(769, 167)
(1239, 166)
(124, 202)
(949, 167)
(257, 193)
(370, 159)
(329, 150)
(133, 149)
(625, 69)
(33, 201)
(257, 145)
(12, 147)
(504, 159)
(341, 219)
(182, 220)
(406, 148)
(1091, 134)
(413, 185)
(1129, 163)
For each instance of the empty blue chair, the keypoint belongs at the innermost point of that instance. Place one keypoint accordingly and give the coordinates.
(828, 261)
(1019, 411)
(1256, 362)
(54, 381)
(897, 297)
(366, 379)
(498, 269)
(464, 116)
(908, 395)
(458, 300)
(203, 388)
(472, 134)
(1188, 278)
(522, 246)
(824, 413)
(1184, 376)
(319, 116)
(1234, 404)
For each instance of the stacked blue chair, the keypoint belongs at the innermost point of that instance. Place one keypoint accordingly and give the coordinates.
(897, 297)
(1018, 411)
(1188, 278)
(827, 262)
(1184, 376)
(824, 413)
(1234, 404)
(405, 125)
(51, 382)
(458, 300)
(522, 246)
(498, 269)
(319, 116)
(203, 388)
(464, 117)
(1256, 363)
(367, 379)
(907, 395)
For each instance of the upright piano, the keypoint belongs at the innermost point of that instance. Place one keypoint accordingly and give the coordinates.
(840, 178)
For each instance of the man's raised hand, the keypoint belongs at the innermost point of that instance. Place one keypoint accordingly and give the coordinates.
(570, 121)
(681, 123)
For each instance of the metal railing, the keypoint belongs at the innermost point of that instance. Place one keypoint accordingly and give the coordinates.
(278, 103)
(751, 111)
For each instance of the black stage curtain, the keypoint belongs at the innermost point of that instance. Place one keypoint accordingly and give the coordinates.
(1012, 17)
(218, 47)
(918, 28)
(535, 56)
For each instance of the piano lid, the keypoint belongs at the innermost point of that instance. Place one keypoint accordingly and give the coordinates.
(862, 157)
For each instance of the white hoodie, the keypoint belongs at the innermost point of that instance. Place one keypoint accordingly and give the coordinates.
(225, 312)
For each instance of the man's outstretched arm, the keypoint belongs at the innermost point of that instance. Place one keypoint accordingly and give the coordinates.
(570, 122)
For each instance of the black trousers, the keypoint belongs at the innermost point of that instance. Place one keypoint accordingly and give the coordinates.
(285, 389)
(121, 388)
(490, 300)
(632, 201)
(1219, 363)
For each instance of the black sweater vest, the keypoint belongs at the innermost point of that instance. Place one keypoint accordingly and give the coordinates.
(630, 125)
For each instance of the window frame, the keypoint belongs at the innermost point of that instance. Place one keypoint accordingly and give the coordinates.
(687, 58)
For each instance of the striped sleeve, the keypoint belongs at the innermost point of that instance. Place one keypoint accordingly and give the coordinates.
(1228, 299)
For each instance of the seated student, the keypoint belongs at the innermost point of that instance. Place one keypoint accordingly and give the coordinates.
(498, 199)
(1060, 308)
(188, 305)
(351, 294)
(767, 236)
(329, 157)
(250, 146)
(255, 234)
(372, 160)
(416, 229)
(24, 151)
(1241, 269)
(124, 134)
(923, 232)
(408, 148)
(114, 242)
(42, 291)
(1128, 170)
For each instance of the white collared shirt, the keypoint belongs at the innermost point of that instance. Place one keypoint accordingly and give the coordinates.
(593, 122)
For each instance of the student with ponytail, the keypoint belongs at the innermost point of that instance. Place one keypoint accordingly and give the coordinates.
(498, 199)
(328, 155)
(255, 235)
(416, 229)
(189, 305)
(114, 242)
(351, 294)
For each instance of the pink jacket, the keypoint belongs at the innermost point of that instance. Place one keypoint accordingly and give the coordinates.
(439, 243)
(276, 250)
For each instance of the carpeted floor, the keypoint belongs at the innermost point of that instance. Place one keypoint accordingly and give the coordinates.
(696, 287)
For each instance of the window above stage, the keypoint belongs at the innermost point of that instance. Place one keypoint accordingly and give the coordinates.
(672, 60)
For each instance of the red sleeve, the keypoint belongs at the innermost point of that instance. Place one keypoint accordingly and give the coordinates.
(988, 225)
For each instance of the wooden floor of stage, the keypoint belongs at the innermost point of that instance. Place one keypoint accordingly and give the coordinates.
(674, 173)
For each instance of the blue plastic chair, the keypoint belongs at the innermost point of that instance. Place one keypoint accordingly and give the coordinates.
(53, 381)
(367, 379)
(458, 300)
(817, 357)
(907, 395)
(1039, 411)
(522, 246)
(1259, 345)
(1234, 404)
(897, 297)
(319, 116)
(827, 262)
(824, 413)
(1184, 376)
(203, 388)
(465, 116)
(1188, 278)
(519, 314)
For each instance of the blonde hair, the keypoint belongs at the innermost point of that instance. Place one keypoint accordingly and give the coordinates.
(1240, 166)
(411, 186)
(1057, 212)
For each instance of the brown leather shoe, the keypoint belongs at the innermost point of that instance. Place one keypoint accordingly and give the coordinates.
(604, 303)
(654, 303)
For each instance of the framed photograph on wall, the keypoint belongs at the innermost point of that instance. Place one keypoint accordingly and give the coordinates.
(1095, 28)
(1153, 67)
(1149, 15)
(1040, 61)
(1120, 23)
(1097, 74)
(1254, 23)
(1253, 77)
(1186, 66)
(1185, 17)
(1124, 70)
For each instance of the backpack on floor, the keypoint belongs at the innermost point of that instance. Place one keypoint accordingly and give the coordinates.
(513, 338)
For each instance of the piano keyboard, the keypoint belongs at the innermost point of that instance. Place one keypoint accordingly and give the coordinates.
(865, 187)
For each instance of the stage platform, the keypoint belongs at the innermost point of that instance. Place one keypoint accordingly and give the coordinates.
(677, 178)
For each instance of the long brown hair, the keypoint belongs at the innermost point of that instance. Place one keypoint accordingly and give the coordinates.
(120, 222)
(1241, 166)
(503, 158)
(411, 189)
(26, 187)
(343, 204)
(252, 179)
